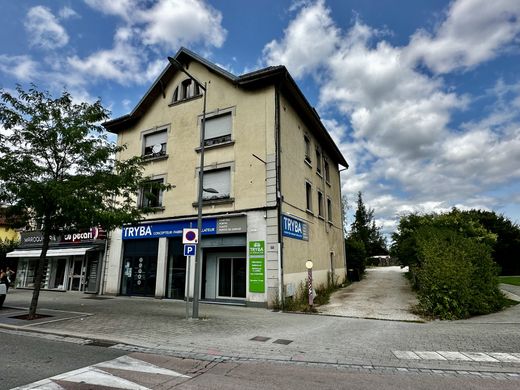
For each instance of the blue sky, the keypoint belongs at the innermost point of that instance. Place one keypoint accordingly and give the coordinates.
(422, 97)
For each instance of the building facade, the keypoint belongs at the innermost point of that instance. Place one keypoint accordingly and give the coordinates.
(272, 191)
(73, 262)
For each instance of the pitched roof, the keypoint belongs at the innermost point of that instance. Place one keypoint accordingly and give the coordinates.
(272, 75)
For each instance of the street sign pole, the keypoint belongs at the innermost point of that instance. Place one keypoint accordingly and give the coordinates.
(188, 275)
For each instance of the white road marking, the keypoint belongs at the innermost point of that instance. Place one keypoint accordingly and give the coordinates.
(480, 357)
(429, 355)
(450, 355)
(94, 375)
(407, 355)
(131, 364)
(504, 357)
(491, 357)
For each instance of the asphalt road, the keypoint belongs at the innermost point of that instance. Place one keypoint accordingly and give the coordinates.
(27, 359)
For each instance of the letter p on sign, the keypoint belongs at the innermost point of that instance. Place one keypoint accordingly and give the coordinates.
(190, 236)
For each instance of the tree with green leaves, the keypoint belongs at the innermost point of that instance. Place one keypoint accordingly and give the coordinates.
(365, 238)
(364, 229)
(58, 168)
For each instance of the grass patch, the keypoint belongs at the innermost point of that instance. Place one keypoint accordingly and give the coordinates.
(514, 280)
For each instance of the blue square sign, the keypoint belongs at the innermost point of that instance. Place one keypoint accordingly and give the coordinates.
(190, 249)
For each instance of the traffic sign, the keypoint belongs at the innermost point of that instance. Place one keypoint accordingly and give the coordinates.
(190, 249)
(190, 236)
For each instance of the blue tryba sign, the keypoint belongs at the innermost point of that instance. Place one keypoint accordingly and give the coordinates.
(167, 229)
(294, 228)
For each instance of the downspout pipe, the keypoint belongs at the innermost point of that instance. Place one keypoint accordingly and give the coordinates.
(281, 289)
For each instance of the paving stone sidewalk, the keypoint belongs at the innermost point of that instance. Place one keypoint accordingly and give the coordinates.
(229, 332)
(384, 293)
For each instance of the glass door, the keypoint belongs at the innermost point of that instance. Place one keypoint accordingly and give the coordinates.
(231, 277)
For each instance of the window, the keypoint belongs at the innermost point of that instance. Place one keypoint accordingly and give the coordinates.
(308, 192)
(218, 129)
(151, 194)
(186, 90)
(318, 162)
(155, 143)
(327, 172)
(320, 205)
(329, 209)
(217, 184)
(307, 149)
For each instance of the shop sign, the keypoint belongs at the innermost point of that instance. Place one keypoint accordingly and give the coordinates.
(294, 228)
(232, 225)
(33, 238)
(88, 235)
(167, 229)
(210, 226)
(257, 266)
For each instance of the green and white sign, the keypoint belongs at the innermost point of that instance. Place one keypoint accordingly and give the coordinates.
(257, 266)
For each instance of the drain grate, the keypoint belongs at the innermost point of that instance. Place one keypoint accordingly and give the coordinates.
(282, 341)
(101, 343)
(260, 338)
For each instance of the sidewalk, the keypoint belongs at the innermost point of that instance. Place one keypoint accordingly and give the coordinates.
(384, 294)
(230, 332)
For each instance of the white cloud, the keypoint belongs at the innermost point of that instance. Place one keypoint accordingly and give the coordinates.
(67, 13)
(23, 68)
(403, 151)
(44, 30)
(474, 31)
(173, 23)
(121, 8)
(309, 38)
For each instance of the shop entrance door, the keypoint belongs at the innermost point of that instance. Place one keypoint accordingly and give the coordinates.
(141, 275)
(76, 276)
(231, 277)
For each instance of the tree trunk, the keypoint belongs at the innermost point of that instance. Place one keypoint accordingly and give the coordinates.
(39, 271)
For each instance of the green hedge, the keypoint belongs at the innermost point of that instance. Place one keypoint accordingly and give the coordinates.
(456, 276)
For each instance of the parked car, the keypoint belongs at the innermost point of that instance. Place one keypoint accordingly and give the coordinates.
(3, 293)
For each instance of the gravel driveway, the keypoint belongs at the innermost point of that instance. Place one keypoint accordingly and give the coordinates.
(383, 294)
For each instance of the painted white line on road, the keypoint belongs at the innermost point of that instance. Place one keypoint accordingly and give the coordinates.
(490, 357)
(504, 357)
(407, 355)
(429, 355)
(45, 384)
(94, 376)
(480, 357)
(454, 356)
(131, 364)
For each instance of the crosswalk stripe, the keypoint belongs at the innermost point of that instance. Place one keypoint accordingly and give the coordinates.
(480, 357)
(95, 375)
(132, 364)
(490, 357)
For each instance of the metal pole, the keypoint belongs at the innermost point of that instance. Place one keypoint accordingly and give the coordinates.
(188, 262)
(198, 257)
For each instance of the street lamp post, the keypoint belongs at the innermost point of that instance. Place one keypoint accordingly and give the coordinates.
(198, 255)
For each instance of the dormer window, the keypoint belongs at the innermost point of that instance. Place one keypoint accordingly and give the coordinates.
(185, 90)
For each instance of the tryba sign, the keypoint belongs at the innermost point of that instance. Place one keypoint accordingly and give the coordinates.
(294, 228)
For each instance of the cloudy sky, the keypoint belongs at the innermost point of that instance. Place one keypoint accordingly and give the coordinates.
(423, 97)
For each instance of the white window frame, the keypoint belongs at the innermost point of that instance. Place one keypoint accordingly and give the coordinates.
(307, 143)
(207, 196)
(320, 205)
(308, 196)
(142, 192)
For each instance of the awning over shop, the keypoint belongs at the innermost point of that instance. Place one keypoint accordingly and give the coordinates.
(50, 253)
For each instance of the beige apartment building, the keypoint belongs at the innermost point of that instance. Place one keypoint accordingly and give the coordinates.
(272, 191)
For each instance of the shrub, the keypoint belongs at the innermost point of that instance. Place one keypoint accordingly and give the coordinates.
(457, 276)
